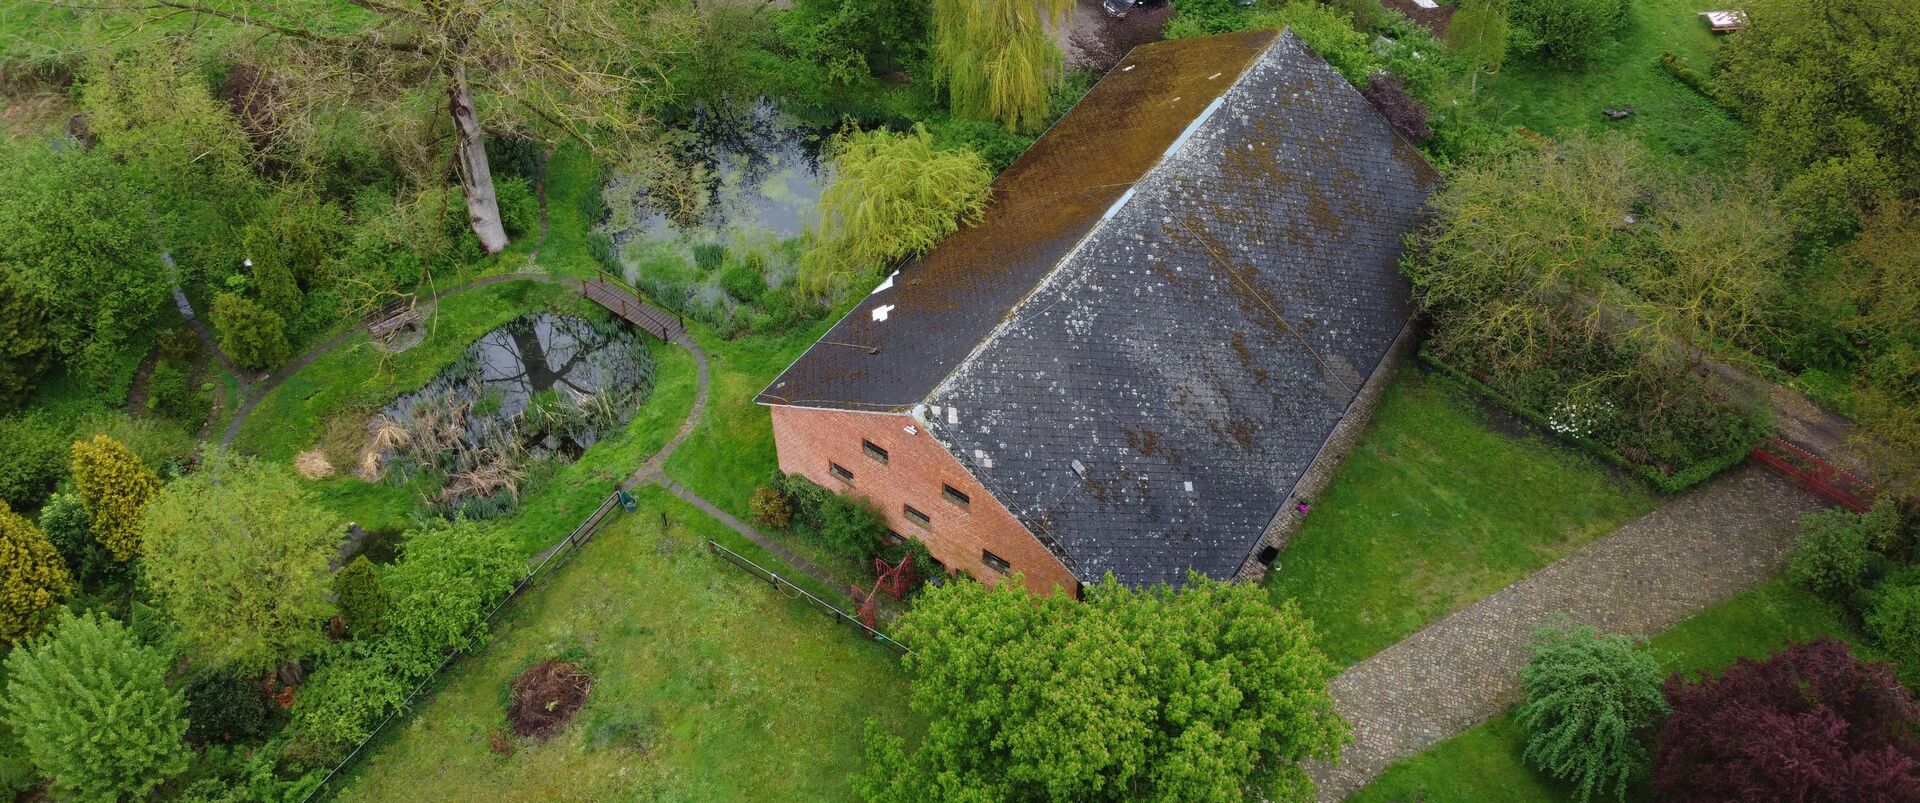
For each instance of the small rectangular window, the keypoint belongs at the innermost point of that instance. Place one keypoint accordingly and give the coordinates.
(894, 537)
(954, 495)
(873, 451)
(995, 562)
(914, 515)
(840, 472)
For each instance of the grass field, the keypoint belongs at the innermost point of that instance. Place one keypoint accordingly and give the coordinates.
(1668, 117)
(1484, 764)
(708, 686)
(1434, 510)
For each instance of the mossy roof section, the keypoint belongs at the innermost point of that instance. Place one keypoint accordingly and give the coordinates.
(939, 308)
(1152, 404)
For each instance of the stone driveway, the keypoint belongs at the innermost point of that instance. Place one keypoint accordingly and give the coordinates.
(1702, 547)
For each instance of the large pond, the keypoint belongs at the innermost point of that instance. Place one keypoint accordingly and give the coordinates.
(541, 387)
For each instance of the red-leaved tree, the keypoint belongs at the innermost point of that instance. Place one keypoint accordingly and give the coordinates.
(1811, 724)
(1402, 111)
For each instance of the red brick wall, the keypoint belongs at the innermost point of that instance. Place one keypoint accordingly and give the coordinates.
(809, 439)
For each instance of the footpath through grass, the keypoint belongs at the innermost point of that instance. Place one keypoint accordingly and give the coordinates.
(1668, 117)
(1484, 764)
(708, 685)
(1434, 510)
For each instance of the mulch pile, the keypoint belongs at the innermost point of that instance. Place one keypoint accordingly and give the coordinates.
(546, 696)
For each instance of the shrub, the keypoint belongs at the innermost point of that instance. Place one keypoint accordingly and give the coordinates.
(363, 600)
(1330, 33)
(115, 488)
(1563, 31)
(1589, 697)
(33, 578)
(1893, 619)
(519, 209)
(224, 707)
(168, 392)
(1683, 72)
(64, 520)
(849, 527)
(34, 460)
(1810, 723)
(743, 280)
(251, 334)
(1835, 554)
(771, 508)
(93, 709)
(1405, 114)
(807, 498)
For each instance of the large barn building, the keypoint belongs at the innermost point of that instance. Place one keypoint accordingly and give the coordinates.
(1174, 319)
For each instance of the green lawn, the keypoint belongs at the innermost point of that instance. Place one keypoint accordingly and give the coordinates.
(1483, 764)
(708, 686)
(1668, 117)
(1434, 510)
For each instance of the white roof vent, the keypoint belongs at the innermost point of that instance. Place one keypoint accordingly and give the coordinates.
(1079, 468)
(880, 312)
(1189, 486)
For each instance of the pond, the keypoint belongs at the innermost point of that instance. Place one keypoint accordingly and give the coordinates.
(541, 387)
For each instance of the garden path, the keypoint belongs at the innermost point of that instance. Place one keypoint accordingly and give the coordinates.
(1704, 546)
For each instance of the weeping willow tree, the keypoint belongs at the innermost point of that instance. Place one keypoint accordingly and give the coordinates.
(995, 58)
(893, 196)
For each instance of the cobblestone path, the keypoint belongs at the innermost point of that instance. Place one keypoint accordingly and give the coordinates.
(1702, 547)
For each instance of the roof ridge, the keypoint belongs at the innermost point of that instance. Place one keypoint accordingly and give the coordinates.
(1098, 227)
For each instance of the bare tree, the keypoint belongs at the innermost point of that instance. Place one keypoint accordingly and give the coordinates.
(560, 68)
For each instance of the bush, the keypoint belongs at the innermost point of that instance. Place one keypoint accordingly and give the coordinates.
(34, 460)
(1835, 554)
(64, 520)
(224, 707)
(1810, 723)
(93, 709)
(1564, 31)
(850, 527)
(33, 578)
(743, 280)
(519, 208)
(168, 392)
(1588, 700)
(1893, 619)
(115, 488)
(1331, 34)
(807, 498)
(363, 600)
(771, 508)
(251, 334)
(1685, 73)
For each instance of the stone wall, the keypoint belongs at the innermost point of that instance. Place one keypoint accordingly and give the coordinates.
(1332, 453)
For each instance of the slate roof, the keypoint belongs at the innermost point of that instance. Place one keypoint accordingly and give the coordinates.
(1174, 299)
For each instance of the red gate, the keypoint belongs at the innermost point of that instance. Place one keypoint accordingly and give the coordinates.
(1814, 474)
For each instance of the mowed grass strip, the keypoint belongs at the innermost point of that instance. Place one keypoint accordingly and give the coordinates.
(1435, 509)
(708, 685)
(1484, 764)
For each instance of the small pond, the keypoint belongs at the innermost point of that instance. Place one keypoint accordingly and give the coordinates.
(542, 386)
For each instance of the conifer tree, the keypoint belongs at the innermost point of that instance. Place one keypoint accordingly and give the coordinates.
(33, 578)
(114, 486)
(92, 707)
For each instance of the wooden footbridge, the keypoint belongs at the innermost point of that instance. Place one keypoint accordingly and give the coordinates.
(624, 301)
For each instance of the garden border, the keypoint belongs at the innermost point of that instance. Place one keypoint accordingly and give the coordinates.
(1681, 480)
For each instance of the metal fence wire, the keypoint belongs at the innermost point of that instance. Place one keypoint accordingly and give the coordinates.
(792, 591)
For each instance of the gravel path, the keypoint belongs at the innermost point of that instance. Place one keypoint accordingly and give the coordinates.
(1702, 547)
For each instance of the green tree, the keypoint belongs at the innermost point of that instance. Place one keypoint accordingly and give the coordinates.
(1564, 31)
(35, 458)
(115, 487)
(33, 578)
(893, 196)
(1477, 34)
(996, 60)
(1828, 86)
(64, 519)
(1590, 700)
(238, 554)
(1836, 553)
(1893, 619)
(1206, 692)
(853, 39)
(93, 709)
(76, 243)
(24, 342)
(363, 600)
(250, 333)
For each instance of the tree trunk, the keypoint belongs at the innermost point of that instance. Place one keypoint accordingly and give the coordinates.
(476, 178)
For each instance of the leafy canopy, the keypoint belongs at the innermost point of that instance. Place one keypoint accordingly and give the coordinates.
(1206, 692)
(996, 60)
(1589, 700)
(894, 195)
(93, 709)
(238, 554)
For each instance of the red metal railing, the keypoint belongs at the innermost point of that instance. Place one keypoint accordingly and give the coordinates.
(1814, 474)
